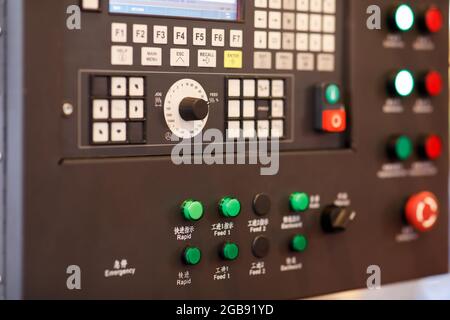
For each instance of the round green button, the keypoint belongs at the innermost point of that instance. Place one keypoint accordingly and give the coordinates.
(299, 201)
(230, 251)
(332, 94)
(404, 17)
(299, 243)
(192, 256)
(230, 207)
(403, 148)
(192, 210)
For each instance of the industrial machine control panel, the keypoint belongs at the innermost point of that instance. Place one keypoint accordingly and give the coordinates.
(224, 149)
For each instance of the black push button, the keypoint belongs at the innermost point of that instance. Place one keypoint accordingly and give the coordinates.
(261, 204)
(99, 87)
(136, 133)
(261, 247)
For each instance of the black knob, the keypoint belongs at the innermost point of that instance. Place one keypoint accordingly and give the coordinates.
(193, 109)
(336, 219)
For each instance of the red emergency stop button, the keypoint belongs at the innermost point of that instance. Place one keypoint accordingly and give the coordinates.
(433, 20)
(422, 211)
(334, 121)
(431, 147)
(432, 84)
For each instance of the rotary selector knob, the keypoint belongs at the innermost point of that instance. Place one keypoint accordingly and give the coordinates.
(336, 219)
(186, 108)
(422, 211)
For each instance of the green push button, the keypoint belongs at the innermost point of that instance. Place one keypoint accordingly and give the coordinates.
(230, 207)
(332, 94)
(299, 201)
(192, 210)
(299, 243)
(403, 148)
(230, 251)
(192, 256)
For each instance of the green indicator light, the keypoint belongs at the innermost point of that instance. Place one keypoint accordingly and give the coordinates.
(230, 207)
(299, 201)
(332, 94)
(404, 17)
(192, 256)
(192, 210)
(230, 251)
(299, 243)
(403, 148)
(404, 83)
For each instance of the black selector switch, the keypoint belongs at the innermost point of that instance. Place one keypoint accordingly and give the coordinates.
(261, 204)
(261, 247)
(194, 109)
(336, 219)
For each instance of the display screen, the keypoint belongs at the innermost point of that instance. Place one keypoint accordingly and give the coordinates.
(203, 9)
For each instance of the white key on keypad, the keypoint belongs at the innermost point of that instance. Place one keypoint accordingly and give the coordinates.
(140, 33)
(274, 20)
(329, 24)
(289, 21)
(121, 56)
(151, 56)
(234, 88)
(329, 43)
(249, 109)
(275, 40)
(289, 4)
(179, 57)
(118, 86)
(234, 109)
(136, 87)
(315, 23)
(302, 42)
(207, 58)
(305, 62)
(249, 86)
(288, 41)
(119, 32)
(199, 37)
(260, 3)
(263, 88)
(277, 129)
(302, 5)
(277, 109)
(329, 6)
(325, 62)
(180, 36)
(90, 5)
(260, 19)
(262, 60)
(136, 109)
(160, 35)
(118, 109)
(234, 130)
(218, 38)
(275, 4)
(277, 88)
(100, 109)
(118, 132)
(315, 6)
(100, 132)
(315, 42)
(263, 128)
(284, 61)
(236, 38)
(260, 40)
(302, 22)
(248, 129)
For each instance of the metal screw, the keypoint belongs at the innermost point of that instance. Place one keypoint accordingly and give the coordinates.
(67, 109)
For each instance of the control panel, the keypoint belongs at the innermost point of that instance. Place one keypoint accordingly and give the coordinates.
(223, 149)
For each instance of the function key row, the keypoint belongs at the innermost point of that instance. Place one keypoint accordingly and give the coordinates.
(326, 6)
(179, 35)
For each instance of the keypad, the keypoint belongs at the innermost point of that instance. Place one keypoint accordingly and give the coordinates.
(256, 108)
(295, 34)
(118, 114)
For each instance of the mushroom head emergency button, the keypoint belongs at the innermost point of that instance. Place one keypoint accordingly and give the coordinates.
(422, 211)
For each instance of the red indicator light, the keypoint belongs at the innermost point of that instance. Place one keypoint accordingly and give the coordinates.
(432, 147)
(434, 20)
(433, 83)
